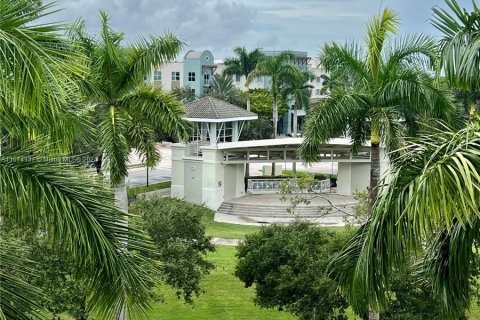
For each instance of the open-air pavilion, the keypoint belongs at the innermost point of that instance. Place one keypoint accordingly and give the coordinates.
(210, 169)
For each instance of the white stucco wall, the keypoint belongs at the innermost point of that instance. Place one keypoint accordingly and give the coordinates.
(167, 70)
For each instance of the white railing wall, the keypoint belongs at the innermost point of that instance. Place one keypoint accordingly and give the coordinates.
(256, 186)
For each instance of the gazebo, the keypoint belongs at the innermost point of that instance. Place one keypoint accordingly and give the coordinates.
(198, 172)
(215, 121)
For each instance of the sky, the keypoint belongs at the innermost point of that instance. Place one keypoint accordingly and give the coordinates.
(221, 25)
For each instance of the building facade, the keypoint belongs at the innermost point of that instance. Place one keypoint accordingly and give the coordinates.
(198, 67)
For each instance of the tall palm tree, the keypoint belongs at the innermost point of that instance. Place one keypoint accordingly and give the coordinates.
(280, 69)
(128, 111)
(431, 203)
(242, 65)
(40, 111)
(298, 90)
(385, 92)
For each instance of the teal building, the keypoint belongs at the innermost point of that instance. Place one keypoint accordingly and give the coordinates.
(198, 69)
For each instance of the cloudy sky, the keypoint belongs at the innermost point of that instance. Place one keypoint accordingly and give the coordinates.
(220, 25)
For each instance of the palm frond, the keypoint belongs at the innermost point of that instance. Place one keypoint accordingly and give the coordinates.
(434, 186)
(345, 63)
(460, 44)
(113, 142)
(379, 29)
(330, 119)
(79, 215)
(162, 110)
(18, 296)
(144, 53)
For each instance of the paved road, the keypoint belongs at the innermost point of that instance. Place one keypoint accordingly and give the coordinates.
(138, 176)
(163, 171)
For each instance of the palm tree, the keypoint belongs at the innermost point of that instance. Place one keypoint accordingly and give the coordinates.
(385, 92)
(224, 89)
(242, 65)
(299, 91)
(460, 44)
(280, 69)
(40, 113)
(128, 111)
(328, 84)
(430, 204)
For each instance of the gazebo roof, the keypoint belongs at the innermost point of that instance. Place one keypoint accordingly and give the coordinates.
(210, 109)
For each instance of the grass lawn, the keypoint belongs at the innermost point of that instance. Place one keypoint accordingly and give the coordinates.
(142, 189)
(225, 297)
(226, 230)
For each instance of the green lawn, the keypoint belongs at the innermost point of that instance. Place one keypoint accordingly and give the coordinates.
(226, 230)
(225, 297)
(142, 189)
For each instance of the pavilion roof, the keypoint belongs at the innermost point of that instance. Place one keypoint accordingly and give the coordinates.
(210, 109)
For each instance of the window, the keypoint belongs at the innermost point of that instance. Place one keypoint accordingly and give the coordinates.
(319, 79)
(317, 92)
(191, 76)
(175, 76)
(157, 76)
(237, 78)
(206, 77)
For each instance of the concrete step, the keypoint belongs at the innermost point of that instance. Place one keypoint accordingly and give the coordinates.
(301, 211)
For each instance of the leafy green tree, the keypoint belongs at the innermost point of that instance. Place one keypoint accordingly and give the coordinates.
(41, 112)
(261, 104)
(176, 228)
(224, 89)
(412, 298)
(128, 111)
(279, 68)
(183, 94)
(287, 266)
(242, 65)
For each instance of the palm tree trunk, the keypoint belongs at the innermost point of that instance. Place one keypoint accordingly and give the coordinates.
(248, 99)
(295, 123)
(295, 128)
(275, 117)
(275, 124)
(373, 190)
(121, 199)
(374, 174)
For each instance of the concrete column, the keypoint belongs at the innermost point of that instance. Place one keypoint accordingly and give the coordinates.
(235, 132)
(179, 151)
(213, 180)
(234, 181)
(213, 133)
(352, 177)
